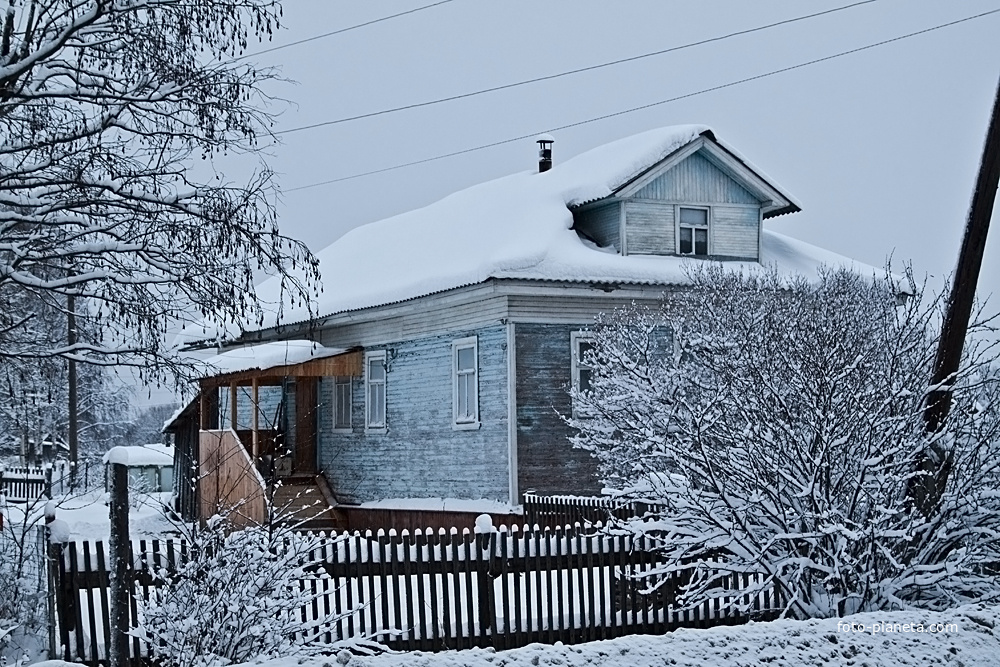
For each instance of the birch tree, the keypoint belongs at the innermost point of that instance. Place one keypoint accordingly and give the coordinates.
(114, 118)
(778, 433)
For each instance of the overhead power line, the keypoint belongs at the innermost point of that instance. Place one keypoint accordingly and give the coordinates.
(650, 105)
(580, 70)
(341, 30)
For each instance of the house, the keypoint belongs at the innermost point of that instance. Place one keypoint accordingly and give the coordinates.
(448, 336)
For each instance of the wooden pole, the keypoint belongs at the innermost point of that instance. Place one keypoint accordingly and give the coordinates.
(926, 490)
(232, 405)
(255, 420)
(120, 575)
(202, 410)
(72, 434)
(963, 289)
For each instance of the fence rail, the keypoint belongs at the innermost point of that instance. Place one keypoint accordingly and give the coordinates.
(568, 510)
(436, 590)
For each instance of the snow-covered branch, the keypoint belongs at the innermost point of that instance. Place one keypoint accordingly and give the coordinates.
(106, 107)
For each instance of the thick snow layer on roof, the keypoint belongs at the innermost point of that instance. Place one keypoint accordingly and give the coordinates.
(515, 227)
(266, 355)
(141, 455)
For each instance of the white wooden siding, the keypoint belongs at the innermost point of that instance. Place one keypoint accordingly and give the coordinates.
(734, 232)
(409, 322)
(650, 228)
(695, 179)
(601, 223)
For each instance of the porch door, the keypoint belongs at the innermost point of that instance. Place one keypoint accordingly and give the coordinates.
(304, 460)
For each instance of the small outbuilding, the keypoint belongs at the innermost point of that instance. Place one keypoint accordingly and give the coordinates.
(150, 467)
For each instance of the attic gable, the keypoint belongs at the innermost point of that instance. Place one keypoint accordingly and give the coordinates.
(704, 171)
(696, 179)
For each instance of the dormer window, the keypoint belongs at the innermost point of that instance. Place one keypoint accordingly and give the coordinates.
(692, 231)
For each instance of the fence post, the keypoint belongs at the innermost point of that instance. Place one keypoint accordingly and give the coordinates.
(55, 538)
(484, 579)
(120, 564)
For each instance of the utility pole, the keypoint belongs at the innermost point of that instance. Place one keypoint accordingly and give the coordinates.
(72, 431)
(926, 490)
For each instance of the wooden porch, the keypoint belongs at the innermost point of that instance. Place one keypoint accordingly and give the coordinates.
(259, 455)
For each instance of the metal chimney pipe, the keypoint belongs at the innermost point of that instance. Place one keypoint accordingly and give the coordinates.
(544, 142)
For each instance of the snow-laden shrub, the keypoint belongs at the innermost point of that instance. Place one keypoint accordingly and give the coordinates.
(22, 581)
(778, 425)
(239, 596)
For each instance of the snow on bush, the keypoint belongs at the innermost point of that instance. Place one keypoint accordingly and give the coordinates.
(22, 580)
(778, 427)
(239, 596)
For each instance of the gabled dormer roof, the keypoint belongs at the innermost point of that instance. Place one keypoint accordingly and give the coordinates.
(773, 200)
(521, 227)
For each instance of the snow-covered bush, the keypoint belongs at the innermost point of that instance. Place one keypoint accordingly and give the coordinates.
(22, 580)
(239, 596)
(778, 424)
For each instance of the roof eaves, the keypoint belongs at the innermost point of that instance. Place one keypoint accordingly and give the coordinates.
(785, 210)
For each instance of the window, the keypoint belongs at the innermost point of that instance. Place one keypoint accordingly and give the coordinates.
(342, 403)
(581, 342)
(375, 391)
(692, 231)
(465, 365)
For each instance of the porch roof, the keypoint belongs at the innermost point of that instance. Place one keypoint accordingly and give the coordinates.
(269, 363)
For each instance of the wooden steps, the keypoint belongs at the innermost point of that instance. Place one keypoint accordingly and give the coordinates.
(301, 500)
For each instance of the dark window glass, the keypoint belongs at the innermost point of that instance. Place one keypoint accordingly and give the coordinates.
(701, 241)
(583, 370)
(342, 401)
(686, 240)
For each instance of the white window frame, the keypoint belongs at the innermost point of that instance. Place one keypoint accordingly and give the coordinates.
(707, 228)
(465, 422)
(338, 381)
(377, 427)
(575, 338)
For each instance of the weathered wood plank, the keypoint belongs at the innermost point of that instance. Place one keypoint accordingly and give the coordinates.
(547, 462)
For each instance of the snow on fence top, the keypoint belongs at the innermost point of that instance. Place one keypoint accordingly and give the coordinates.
(519, 226)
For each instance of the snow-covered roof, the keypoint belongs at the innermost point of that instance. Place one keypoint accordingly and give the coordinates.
(266, 355)
(256, 358)
(141, 455)
(519, 226)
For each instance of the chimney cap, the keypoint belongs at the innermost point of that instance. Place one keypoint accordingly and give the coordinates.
(545, 139)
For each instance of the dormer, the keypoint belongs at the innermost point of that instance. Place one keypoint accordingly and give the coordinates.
(701, 200)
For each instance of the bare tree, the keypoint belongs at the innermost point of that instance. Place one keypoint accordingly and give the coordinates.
(34, 397)
(778, 431)
(113, 117)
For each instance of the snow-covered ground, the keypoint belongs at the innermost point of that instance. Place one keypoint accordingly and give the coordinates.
(87, 516)
(968, 636)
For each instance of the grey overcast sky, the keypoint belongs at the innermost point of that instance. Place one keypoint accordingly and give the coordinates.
(880, 147)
